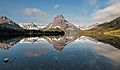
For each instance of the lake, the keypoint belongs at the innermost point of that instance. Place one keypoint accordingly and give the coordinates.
(60, 53)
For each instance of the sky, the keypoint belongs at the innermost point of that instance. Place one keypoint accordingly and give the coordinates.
(81, 12)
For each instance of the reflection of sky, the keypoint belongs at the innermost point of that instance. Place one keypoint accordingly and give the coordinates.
(101, 49)
(35, 49)
(107, 51)
(84, 39)
(84, 53)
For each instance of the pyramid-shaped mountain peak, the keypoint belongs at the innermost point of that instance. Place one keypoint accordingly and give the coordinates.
(60, 22)
(59, 18)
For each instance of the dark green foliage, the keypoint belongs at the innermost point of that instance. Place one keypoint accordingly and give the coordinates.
(114, 24)
(114, 41)
(13, 32)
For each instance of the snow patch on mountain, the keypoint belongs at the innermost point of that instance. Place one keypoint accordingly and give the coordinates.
(60, 22)
(31, 26)
(8, 23)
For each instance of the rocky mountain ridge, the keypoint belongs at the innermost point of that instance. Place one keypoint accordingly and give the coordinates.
(8, 23)
(60, 22)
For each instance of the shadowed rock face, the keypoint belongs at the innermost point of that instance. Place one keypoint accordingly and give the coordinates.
(4, 19)
(8, 43)
(5, 46)
(60, 22)
(8, 23)
(112, 25)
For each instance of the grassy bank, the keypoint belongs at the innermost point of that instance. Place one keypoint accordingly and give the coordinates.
(115, 33)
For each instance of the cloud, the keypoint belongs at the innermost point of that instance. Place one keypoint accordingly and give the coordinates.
(56, 6)
(108, 13)
(28, 18)
(113, 1)
(34, 12)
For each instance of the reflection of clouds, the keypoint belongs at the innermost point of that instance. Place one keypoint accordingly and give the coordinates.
(102, 49)
(37, 52)
(108, 51)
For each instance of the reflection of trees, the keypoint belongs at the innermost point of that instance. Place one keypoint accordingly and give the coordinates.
(6, 43)
(58, 42)
(114, 41)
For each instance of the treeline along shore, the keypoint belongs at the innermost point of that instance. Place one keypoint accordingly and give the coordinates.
(24, 32)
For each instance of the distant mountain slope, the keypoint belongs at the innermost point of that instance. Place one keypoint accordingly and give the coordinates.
(60, 22)
(111, 28)
(6, 23)
(31, 26)
(112, 25)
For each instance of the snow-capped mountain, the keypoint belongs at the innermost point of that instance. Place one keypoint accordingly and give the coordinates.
(31, 26)
(60, 22)
(4, 19)
(92, 26)
(87, 27)
(7, 23)
(41, 26)
(78, 26)
(81, 27)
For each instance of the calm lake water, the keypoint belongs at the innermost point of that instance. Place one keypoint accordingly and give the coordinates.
(59, 53)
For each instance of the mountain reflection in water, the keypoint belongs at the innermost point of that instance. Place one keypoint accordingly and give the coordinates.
(72, 52)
